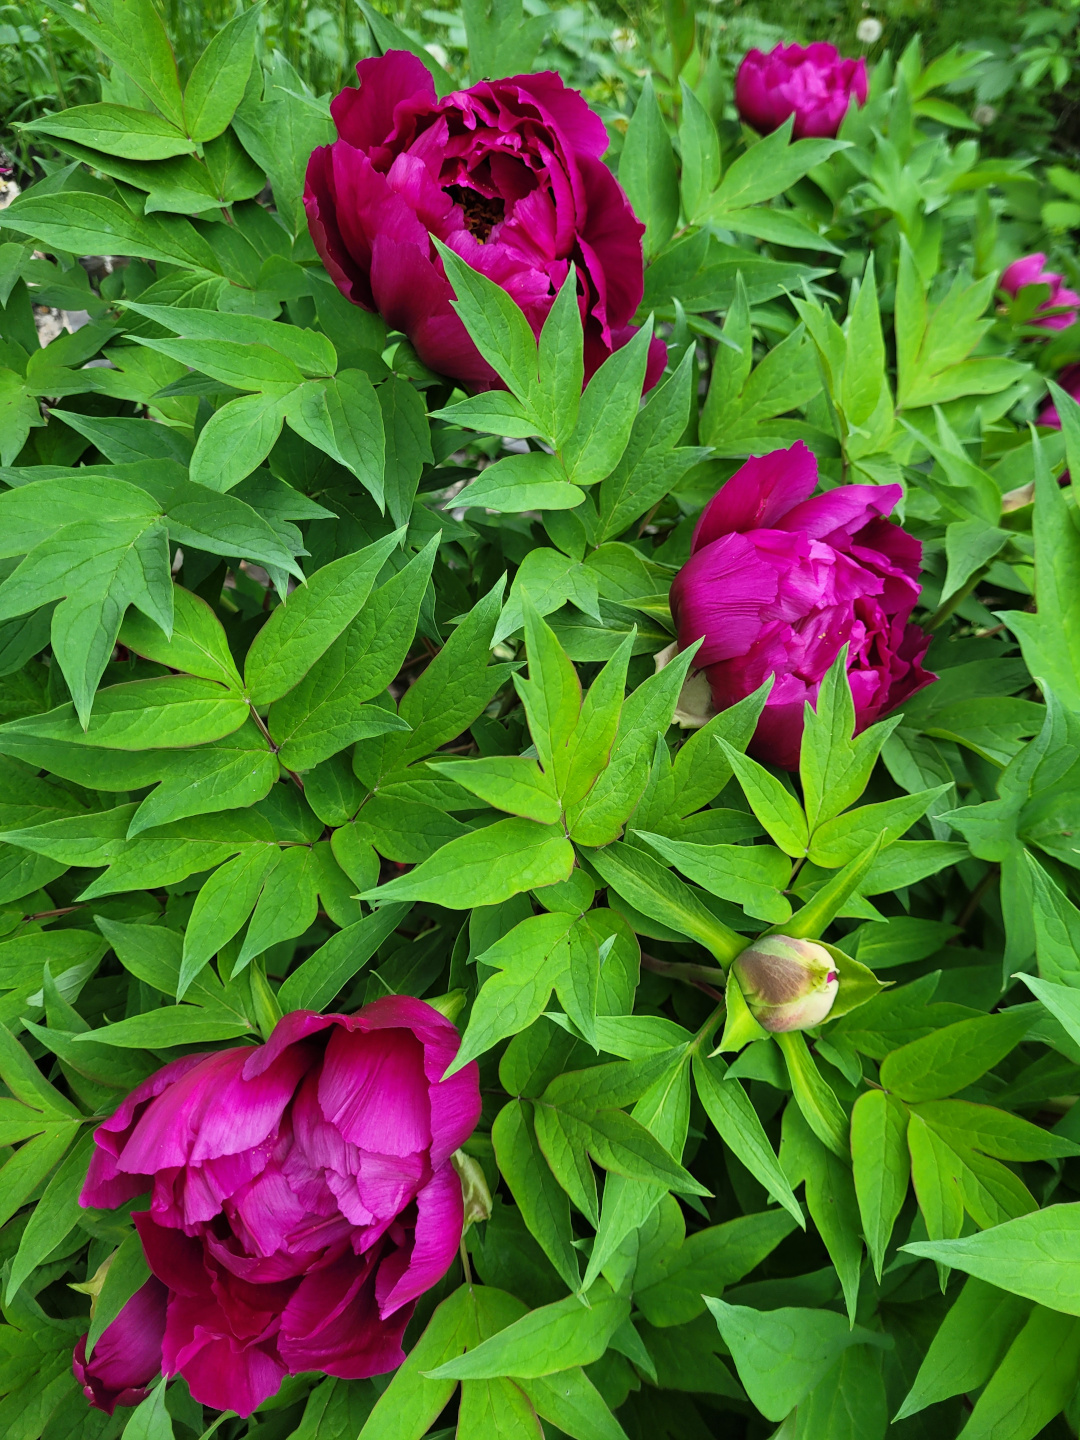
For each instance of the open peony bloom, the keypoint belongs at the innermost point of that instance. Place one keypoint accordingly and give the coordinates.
(508, 174)
(1029, 271)
(787, 984)
(127, 1356)
(777, 583)
(302, 1194)
(1069, 380)
(814, 84)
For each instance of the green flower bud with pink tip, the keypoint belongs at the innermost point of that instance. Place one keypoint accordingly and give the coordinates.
(788, 984)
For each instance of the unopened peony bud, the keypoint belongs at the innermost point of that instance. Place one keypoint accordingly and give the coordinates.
(474, 1187)
(787, 984)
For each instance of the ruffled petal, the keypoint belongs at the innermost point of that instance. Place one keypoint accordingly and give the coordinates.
(758, 495)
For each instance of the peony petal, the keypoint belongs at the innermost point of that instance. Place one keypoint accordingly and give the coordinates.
(836, 516)
(719, 595)
(758, 495)
(373, 1088)
(416, 1267)
(332, 1324)
(366, 116)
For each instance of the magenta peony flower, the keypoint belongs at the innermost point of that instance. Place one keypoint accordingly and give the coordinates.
(814, 84)
(778, 582)
(1069, 380)
(127, 1356)
(302, 1194)
(1029, 271)
(508, 174)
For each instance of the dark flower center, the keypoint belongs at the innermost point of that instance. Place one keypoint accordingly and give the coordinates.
(481, 213)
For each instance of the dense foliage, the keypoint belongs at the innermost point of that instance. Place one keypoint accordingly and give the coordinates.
(341, 672)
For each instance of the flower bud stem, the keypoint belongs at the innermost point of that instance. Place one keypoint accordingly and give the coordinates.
(704, 977)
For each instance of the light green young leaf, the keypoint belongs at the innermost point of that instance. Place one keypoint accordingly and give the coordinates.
(1036, 1255)
(880, 1158)
(220, 77)
(541, 1200)
(485, 867)
(647, 172)
(775, 807)
(307, 623)
(728, 1107)
(950, 1059)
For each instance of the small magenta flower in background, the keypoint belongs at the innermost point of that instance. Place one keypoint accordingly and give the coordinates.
(127, 1356)
(777, 583)
(1028, 270)
(508, 174)
(815, 84)
(787, 984)
(303, 1195)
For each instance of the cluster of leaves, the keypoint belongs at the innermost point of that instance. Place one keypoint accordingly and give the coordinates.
(320, 680)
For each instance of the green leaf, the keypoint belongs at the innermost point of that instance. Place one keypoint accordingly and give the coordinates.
(968, 1347)
(343, 417)
(881, 1166)
(127, 1273)
(1035, 1255)
(710, 1259)
(728, 1107)
(236, 440)
(752, 876)
(407, 443)
(117, 130)
(782, 1354)
(485, 867)
(150, 1420)
(541, 1200)
(221, 907)
(54, 1216)
(699, 146)
(1035, 1380)
(287, 905)
(571, 1402)
(953, 1058)
(309, 351)
(325, 711)
(1050, 639)
(89, 224)
(411, 1402)
(198, 644)
(561, 366)
(814, 1095)
(509, 782)
(607, 413)
(134, 37)
(833, 767)
(775, 807)
(314, 983)
(533, 481)
(771, 166)
(842, 839)
(662, 896)
(304, 627)
(496, 325)
(647, 172)
(811, 922)
(549, 1339)
(220, 77)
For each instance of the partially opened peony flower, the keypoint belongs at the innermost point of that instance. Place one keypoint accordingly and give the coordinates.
(508, 174)
(815, 84)
(1029, 271)
(127, 1355)
(302, 1194)
(777, 583)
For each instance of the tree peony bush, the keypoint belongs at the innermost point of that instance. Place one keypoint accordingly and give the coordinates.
(539, 695)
